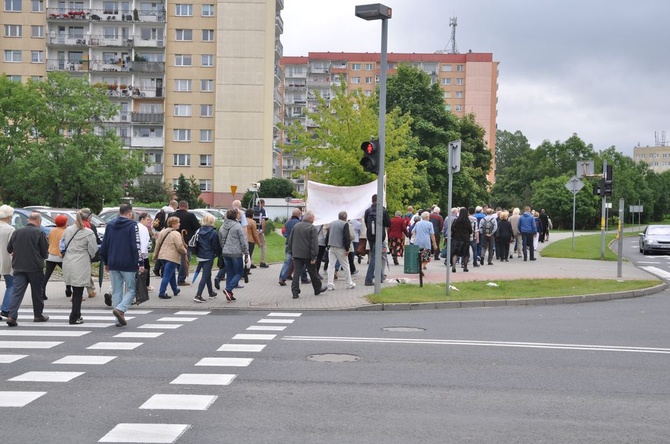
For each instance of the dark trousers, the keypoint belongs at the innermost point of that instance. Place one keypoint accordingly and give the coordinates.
(352, 265)
(528, 244)
(504, 248)
(77, 294)
(487, 244)
(147, 266)
(21, 281)
(51, 266)
(206, 278)
(436, 253)
(298, 265)
(321, 256)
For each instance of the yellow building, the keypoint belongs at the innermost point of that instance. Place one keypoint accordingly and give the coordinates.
(197, 83)
(657, 157)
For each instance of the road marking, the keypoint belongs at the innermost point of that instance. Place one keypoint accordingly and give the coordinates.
(84, 360)
(266, 328)
(540, 345)
(18, 399)
(146, 433)
(166, 326)
(253, 337)
(86, 318)
(46, 376)
(28, 344)
(203, 379)
(175, 319)
(193, 313)
(67, 324)
(84, 312)
(179, 402)
(115, 346)
(8, 359)
(276, 321)
(248, 348)
(22, 332)
(288, 315)
(139, 334)
(657, 272)
(225, 362)
(648, 262)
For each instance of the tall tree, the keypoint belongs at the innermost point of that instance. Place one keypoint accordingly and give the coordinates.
(56, 153)
(189, 190)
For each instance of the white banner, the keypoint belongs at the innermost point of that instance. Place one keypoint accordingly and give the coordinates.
(326, 201)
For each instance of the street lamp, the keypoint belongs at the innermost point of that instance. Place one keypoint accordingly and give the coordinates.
(377, 11)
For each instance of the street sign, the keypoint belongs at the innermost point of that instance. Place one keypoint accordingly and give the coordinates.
(585, 168)
(574, 185)
(636, 208)
(455, 156)
(233, 188)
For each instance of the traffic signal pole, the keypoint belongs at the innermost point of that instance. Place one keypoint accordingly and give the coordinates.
(603, 209)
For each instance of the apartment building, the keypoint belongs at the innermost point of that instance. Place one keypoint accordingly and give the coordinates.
(469, 82)
(657, 157)
(197, 82)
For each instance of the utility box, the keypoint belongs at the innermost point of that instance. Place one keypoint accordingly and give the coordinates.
(412, 264)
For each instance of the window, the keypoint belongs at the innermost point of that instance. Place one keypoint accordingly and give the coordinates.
(208, 10)
(206, 136)
(447, 95)
(446, 81)
(184, 35)
(459, 94)
(355, 80)
(367, 93)
(460, 68)
(368, 80)
(390, 66)
(183, 9)
(37, 56)
(205, 160)
(459, 81)
(206, 110)
(446, 68)
(182, 60)
(182, 135)
(368, 66)
(447, 108)
(458, 108)
(13, 30)
(207, 35)
(14, 78)
(205, 185)
(207, 60)
(13, 55)
(182, 110)
(110, 7)
(356, 66)
(182, 85)
(37, 6)
(182, 159)
(206, 85)
(36, 78)
(13, 5)
(109, 33)
(37, 31)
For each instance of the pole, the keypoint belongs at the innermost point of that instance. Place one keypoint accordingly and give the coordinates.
(620, 235)
(574, 212)
(380, 177)
(603, 209)
(449, 221)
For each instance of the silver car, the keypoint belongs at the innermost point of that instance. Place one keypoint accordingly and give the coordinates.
(655, 238)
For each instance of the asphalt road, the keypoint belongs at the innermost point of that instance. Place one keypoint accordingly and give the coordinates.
(595, 372)
(657, 264)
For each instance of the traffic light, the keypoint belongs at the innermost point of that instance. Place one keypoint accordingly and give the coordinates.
(609, 177)
(370, 160)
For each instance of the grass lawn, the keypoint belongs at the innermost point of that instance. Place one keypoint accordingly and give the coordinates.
(586, 247)
(514, 289)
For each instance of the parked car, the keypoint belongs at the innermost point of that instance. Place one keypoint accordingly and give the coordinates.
(111, 213)
(71, 215)
(20, 219)
(214, 212)
(655, 238)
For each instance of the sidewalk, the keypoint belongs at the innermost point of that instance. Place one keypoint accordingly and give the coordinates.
(264, 292)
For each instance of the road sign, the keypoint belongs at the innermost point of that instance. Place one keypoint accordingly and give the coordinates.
(455, 156)
(233, 188)
(585, 168)
(574, 185)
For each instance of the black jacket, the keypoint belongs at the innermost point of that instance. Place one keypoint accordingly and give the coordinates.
(30, 247)
(188, 222)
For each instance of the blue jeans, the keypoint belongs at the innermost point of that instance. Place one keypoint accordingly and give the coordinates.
(283, 274)
(206, 278)
(9, 285)
(527, 239)
(370, 275)
(169, 269)
(121, 300)
(234, 271)
(182, 270)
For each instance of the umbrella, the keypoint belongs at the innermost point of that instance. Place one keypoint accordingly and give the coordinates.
(101, 273)
(197, 272)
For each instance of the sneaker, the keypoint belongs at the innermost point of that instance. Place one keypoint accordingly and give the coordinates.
(199, 298)
(264, 265)
(330, 287)
(229, 295)
(183, 284)
(157, 273)
(108, 299)
(41, 318)
(355, 272)
(217, 283)
(77, 321)
(176, 293)
(150, 288)
(281, 282)
(369, 284)
(12, 322)
(164, 296)
(351, 285)
(212, 295)
(252, 266)
(119, 316)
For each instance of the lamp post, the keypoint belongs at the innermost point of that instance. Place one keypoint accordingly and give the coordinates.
(377, 11)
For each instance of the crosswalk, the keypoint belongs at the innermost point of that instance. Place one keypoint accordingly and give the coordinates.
(221, 367)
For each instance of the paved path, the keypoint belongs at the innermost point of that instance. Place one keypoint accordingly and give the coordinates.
(263, 291)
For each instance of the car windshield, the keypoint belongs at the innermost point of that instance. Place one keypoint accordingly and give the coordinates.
(659, 231)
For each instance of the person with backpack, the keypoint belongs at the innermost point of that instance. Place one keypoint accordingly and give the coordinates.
(528, 231)
(206, 246)
(487, 227)
(372, 237)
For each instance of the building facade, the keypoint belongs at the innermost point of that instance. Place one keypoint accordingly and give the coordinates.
(657, 157)
(196, 82)
(469, 83)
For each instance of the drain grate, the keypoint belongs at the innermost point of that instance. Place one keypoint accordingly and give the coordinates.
(333, 357)
(405, 329)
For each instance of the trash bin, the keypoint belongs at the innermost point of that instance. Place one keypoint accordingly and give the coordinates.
(412, 264)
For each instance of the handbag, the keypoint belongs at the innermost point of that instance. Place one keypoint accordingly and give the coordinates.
(141, 290)
(62, 246)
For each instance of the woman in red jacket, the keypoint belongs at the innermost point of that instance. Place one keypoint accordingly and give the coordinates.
(397, 233)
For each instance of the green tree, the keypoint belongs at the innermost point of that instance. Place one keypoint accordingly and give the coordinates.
(333, 146)
(276, 187)
(54, 151)
(550, 193)
(189, 190)
(150, 191)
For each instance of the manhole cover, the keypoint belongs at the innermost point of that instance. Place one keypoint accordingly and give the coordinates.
(403, 329)
(333, 357)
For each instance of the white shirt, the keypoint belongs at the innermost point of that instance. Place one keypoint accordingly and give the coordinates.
(145, 240)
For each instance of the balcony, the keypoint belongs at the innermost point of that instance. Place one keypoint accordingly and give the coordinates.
(319, 70)
(295, 86)
(156, 168)
(279, 49)
(146, 67)
(64, 65)
(147, 142)
(279, 25)
(138, 117)
(105, 15)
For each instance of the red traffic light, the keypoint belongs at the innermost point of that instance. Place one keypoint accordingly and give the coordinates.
(370, 160)
(368, 147)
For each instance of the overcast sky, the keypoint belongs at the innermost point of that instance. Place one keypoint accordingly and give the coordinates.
(598, 68)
